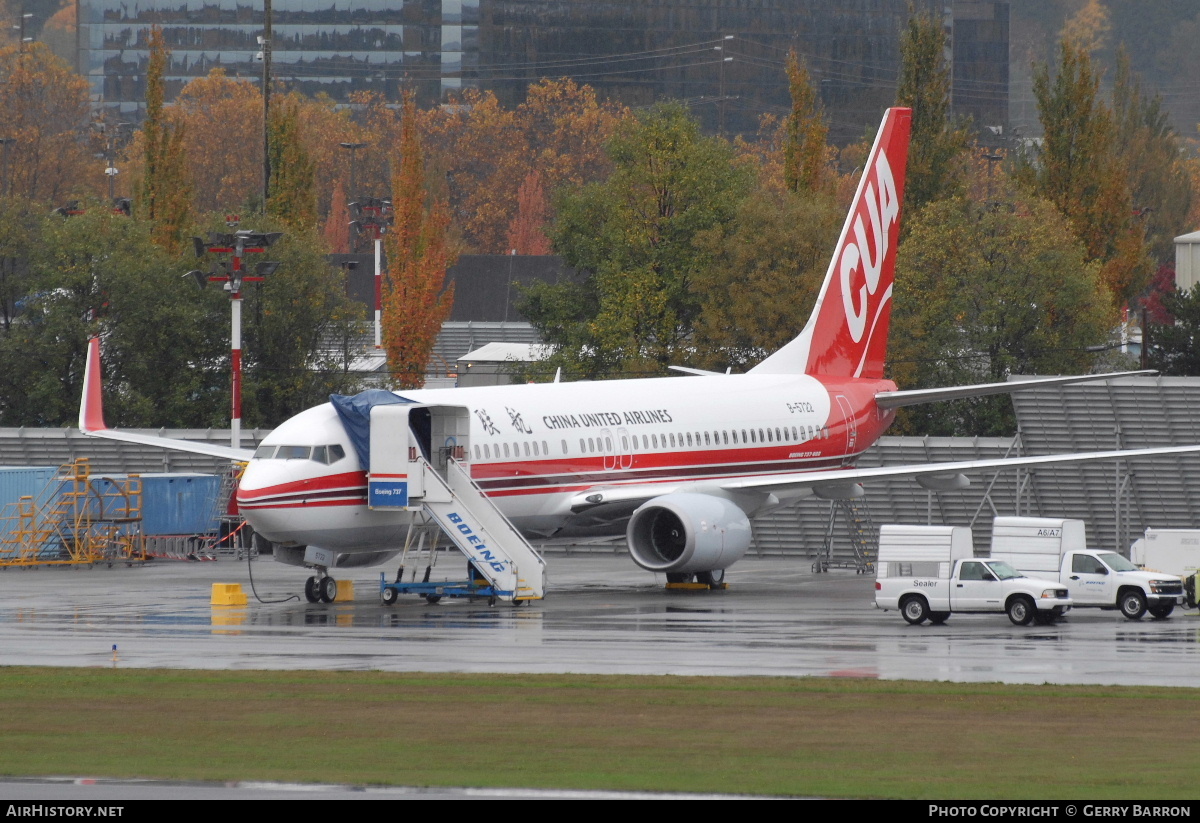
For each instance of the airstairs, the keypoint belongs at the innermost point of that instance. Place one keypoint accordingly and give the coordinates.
(408, 473)
(863, 533)
(76, 519)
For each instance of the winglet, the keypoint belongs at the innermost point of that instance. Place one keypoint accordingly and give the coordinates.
(91, 404)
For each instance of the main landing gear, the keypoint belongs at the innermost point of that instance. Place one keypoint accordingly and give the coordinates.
(321, 588)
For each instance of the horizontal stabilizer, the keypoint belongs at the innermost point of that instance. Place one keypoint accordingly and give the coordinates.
(91, 419)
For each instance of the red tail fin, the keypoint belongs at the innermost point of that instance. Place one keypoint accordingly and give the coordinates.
(91, 407)
(846, 335)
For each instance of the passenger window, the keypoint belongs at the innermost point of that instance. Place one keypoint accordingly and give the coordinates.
(591, 445)
(535, 448)
(506, 450)
(564, 446)
(689, 439)
(624, 443)
(545, 448)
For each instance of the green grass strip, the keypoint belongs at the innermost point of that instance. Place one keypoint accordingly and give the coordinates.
(780, 736)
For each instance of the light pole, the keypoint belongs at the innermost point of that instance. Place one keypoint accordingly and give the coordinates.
(110, 170)
(7, 143)
(721, 88)
(21, 27)
(238, 244)
(353, 148)
(265, 42)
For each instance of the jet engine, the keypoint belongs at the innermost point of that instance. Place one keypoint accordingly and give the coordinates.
(687, 533)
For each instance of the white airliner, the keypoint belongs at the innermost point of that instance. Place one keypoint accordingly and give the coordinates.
(679, 465)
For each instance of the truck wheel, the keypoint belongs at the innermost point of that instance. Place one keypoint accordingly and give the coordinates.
(1044, 618)
(1133, 604)
(1021, 610)
(1159, 612)
(914, 609)
(938, 618)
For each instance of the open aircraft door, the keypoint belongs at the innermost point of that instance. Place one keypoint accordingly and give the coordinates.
(397, 476)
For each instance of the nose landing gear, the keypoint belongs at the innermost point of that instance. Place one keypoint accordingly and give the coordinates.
(320, 588)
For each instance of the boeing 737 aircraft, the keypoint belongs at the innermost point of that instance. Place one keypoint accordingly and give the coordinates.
(679, 465)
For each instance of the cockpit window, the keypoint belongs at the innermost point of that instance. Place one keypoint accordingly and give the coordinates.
(327, 455)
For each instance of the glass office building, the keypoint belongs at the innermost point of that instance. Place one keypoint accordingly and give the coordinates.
(331, 46)
(724, 57)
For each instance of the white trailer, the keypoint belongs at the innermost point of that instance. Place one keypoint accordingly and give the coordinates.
(930, 572)
(1056, 548)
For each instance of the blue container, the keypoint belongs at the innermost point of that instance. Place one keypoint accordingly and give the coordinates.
(177, 503)
(17, 482)
(23, 481)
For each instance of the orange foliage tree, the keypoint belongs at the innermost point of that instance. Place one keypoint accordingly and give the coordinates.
(337, 224)
(43, 109)
(222, 140)
(527, 230)
(414, 302)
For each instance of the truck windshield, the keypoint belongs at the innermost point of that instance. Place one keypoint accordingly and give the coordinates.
(1003, 570)
(1116, 562)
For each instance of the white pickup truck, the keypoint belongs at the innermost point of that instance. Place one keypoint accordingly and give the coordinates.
(1056, 548)
(929, 573)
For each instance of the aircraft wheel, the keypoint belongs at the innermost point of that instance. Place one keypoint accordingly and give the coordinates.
(678, 577)
(713, 579)
(311, 592)
(328, 589)
(390, 596)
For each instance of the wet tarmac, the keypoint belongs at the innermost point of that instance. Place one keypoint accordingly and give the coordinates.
(602, 615)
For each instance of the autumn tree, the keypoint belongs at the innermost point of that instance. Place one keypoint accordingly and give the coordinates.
(337, 224)
(633, 236)
(221, 119)
(165, 191)
(937, 150)
(1158, 168)
(292, 194)
(527, 230)
(1175, 346)
(476, 148)
(1079, 170)
(44, 109)
(762, 274)
(566, 129)
(415, 304)
(984, 293)
(805, 131)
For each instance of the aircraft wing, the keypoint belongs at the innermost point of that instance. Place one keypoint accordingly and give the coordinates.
(91, 419)
(896, 399)
(836, 478)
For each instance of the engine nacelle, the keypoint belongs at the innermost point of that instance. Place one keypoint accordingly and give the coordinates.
(688, 533)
